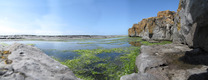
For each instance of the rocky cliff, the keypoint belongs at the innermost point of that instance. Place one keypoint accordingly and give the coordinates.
(158, 28)
(187, 58)
(191, 24)
(187, 26)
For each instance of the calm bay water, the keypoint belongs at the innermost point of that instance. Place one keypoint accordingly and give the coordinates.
(64, 49)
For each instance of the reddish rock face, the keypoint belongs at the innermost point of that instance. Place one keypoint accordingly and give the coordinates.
(166, 17)
(151, 24)
(146, 27)
(132, 31)
(145, 24)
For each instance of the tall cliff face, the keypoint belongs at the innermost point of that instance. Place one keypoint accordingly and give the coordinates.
(187, 26)
(177, 61)
(164, 25)
(191, 23)
(157, 28)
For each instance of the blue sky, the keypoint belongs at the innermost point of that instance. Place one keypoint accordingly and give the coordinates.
(77, 17)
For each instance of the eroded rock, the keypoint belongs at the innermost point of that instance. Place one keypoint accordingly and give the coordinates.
(169, 62)
(158, 28)
(192, 23)
(164, 25)
(29, 63)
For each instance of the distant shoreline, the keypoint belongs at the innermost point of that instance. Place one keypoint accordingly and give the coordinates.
(54, 37)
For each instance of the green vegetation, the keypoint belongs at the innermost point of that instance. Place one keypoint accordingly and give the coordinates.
(4, 44)
(158, 43)
(90, 66)
(100, 64)
(31, 44)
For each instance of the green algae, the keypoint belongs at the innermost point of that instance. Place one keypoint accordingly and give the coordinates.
(31, 44)
(157, 43)
(89, 66)
(4, 44)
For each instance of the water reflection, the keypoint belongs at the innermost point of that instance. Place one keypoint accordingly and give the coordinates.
(135, 43)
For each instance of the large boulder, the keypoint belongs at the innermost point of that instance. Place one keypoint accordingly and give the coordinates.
(192, 25)
(30, 63)
(170, 62)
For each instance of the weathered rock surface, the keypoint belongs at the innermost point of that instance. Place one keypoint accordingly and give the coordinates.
(192, 24)
(30, 63)
(170, 62)
(187, 26)
(164, 25)
(158, 28)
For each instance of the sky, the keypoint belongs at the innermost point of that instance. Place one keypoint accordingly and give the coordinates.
(77, 17)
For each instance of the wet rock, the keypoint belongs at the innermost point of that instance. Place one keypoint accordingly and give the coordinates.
(34, 65)
(137, 43)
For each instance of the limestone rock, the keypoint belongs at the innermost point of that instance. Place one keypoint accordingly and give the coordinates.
(158, 28)
(193, 26)
(169, 62)
(164, 25)
(30, 63)
(143, 29)
(137, 76)
(133, 31)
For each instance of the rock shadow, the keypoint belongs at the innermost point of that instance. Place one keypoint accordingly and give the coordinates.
(201, 76)
(195, 57)
(198, 36)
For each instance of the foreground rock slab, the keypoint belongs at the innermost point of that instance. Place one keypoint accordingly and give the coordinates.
(30, 63)
(170, 62)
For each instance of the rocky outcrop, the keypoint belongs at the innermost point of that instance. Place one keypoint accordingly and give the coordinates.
(177, 61)
(29, 63)
(170, 62)
(158, 28)
(132, 31)
(191, 24)
(164, 25)
(187, 26)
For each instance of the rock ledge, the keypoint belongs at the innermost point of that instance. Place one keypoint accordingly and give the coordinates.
(30, 63)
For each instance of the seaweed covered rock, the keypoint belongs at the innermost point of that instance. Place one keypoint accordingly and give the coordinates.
(29, 63)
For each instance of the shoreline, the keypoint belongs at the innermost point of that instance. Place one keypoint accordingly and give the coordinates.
(54, 37)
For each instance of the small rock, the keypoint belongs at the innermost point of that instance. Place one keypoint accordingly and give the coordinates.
(8, 61)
